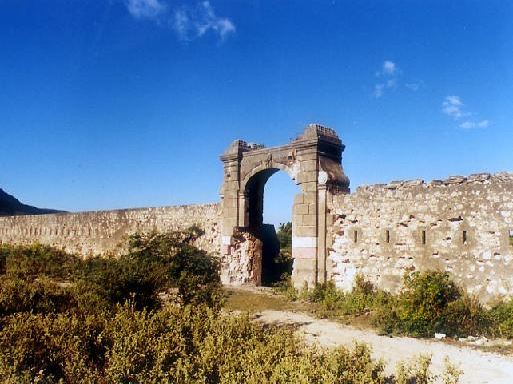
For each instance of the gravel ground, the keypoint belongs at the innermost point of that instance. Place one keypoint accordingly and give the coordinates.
(478, 366)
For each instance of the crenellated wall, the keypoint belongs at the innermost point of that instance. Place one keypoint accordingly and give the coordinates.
(462, 225)
(101, 232)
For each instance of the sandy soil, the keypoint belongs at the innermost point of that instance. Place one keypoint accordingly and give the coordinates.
(478, 367)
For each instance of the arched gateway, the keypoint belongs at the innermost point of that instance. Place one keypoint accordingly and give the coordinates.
(313, 160)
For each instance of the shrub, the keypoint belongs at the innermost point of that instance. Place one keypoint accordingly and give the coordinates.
(415, 372)
(284, 287)
(464, 317)
(47, 348)
(328, 296)
(190, 344)
(29, 262)
(113, 281)
(37, 296)
(363, 298)
(431, 302)
(154, 264)
(177, 263)
(501, 318)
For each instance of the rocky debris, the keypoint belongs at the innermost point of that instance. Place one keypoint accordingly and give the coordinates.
(479, 177)
(482, 341)
(455, 180)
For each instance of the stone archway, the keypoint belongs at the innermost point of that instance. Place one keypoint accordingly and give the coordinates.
(314, 161)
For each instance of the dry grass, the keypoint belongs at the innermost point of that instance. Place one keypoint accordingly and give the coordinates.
(251, 299)
(257, 299)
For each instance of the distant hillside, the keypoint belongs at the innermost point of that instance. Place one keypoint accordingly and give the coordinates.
(9, 205)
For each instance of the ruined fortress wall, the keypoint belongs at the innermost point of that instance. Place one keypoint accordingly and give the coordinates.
(460, 225)
(100, 232)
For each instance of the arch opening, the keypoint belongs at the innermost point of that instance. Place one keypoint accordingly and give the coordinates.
(269, 218)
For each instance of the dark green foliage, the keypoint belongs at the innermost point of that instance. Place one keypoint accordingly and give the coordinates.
(39, 278)
(29, 262)
(465, 317)
(363, 298)
(431, 302)
(192, 271)
(4, 251)
(285, 238)
(501, 316)
(37, 296)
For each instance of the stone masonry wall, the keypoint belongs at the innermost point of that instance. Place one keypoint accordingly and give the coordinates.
(460, 225)
(463, 225)
(101, 232)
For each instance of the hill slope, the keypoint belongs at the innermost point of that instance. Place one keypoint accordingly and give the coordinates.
(9, 205)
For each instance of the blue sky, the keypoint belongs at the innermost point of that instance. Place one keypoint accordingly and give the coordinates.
(126, 103)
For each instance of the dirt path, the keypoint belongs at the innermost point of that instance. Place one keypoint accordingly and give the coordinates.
(478, 367)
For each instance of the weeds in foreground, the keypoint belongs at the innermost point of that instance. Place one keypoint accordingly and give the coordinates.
(102, 322)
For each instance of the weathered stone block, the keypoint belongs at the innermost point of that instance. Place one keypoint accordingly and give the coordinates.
(303, 230)
(309, 220)
(300, 209)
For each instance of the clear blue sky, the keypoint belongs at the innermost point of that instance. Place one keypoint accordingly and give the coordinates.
(110, 104)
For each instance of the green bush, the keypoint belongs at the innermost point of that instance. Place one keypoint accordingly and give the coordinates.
(29, 262)
(327, 295)
(501, 316)
(175, 262)
(42, 279)
(423, 302)
(38, 296)
(465, 317)
(45, 348)
(192, 344)
(431, 302)
(362, 299)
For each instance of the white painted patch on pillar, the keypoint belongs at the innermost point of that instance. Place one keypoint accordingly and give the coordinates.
(304, 242)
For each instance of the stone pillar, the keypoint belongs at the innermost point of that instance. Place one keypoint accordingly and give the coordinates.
(304, 219)
(322, 229)
(230, 199)
(304, 240)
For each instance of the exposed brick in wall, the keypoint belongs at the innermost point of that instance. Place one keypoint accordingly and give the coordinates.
(460, 225)
(244, 263)
(100, 232)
